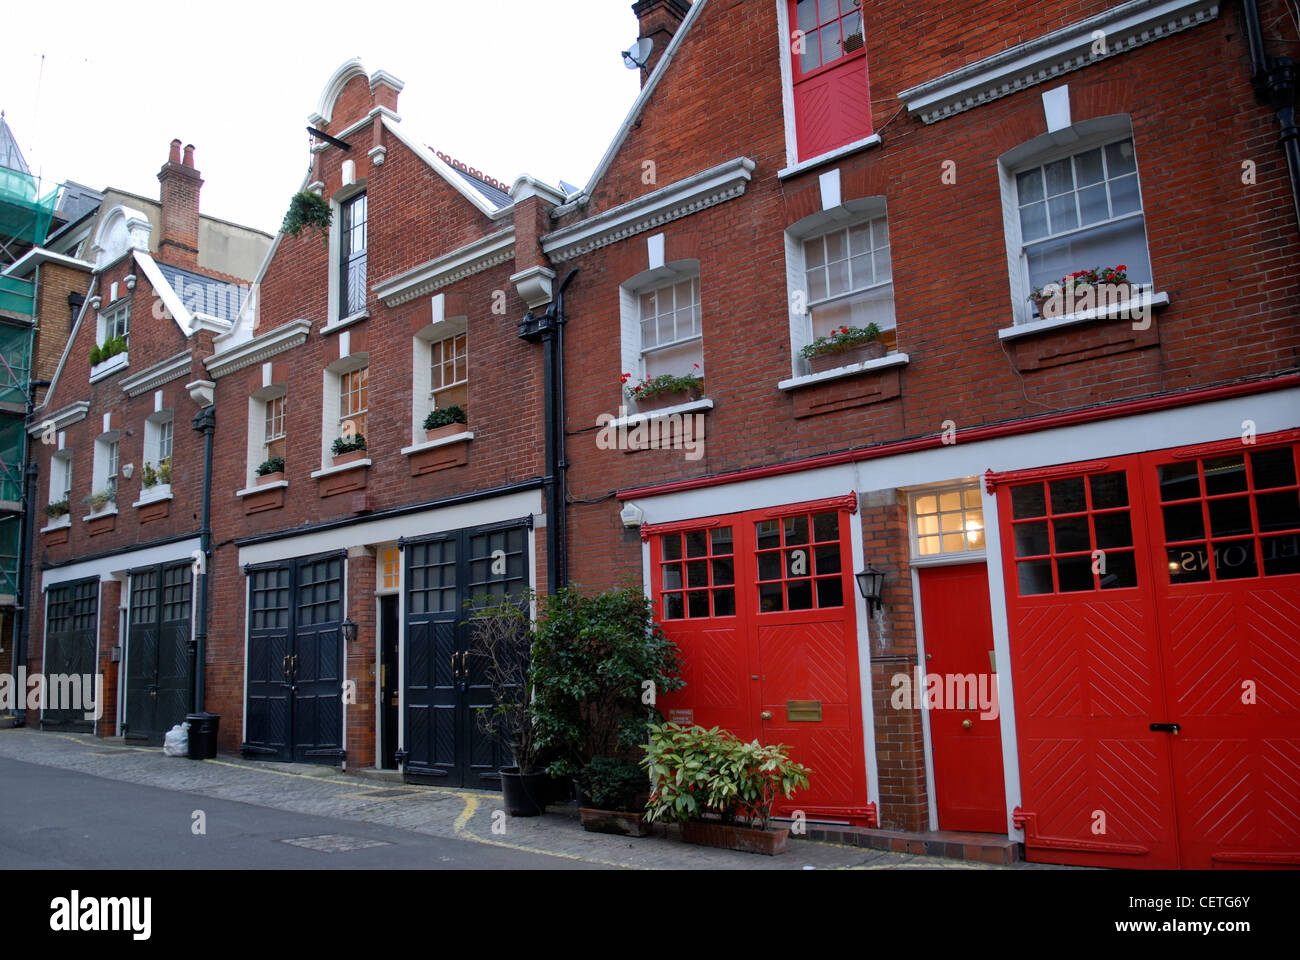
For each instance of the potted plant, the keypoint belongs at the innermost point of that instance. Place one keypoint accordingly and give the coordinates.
(307, 211)
(60, 508)
(499, 639)
(616, 793)
(665, 390)
(165, 470)
(349, 449)
(149, 476)
(270, 471)
(719, 788)
(596, 659)
(99, 500)
(444, 422)
(1084, 290)
(845, 346)
(107, 350)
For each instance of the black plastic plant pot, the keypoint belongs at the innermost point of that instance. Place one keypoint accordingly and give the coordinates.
(525, 794)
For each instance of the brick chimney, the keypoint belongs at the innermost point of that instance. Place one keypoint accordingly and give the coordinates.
(659, 21)
(179, 239)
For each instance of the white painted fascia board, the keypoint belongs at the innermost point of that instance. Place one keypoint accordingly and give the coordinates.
(677, 200)
(67, 347)
(1125, 26)
(205, 321)
(642, 99)
(361, 124)
(62, 419)
(118, 563)
(464, 262)
(259, 349)
(36, 256)
(526, 185)
(155, 376)
(165, 292)
(333, 87)
(447, 173)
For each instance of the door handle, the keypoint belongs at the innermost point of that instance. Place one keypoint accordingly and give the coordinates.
(766, 714)
(1165, 728)
(284, 665)
(455, 674)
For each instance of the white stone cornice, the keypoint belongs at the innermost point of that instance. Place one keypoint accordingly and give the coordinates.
(465, 262)
(61, 419)
(260, 348)
(1112, 32)
(677, 200)
(171, 369)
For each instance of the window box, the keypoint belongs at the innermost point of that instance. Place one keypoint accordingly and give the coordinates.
(664, 401)
(114, 363)
(443, 432)
(58, 523)
(862, 353)
(276, 477)
(351, 456)
(159, 491)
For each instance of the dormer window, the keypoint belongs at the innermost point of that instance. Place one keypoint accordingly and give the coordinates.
(828, 69)
(352, 250)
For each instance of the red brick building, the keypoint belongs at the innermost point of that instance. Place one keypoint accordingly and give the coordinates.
(1089, 511)
(1085, 511)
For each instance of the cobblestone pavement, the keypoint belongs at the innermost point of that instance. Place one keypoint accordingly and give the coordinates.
(463, 814)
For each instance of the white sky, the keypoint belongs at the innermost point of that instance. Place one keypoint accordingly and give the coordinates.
(507, 86)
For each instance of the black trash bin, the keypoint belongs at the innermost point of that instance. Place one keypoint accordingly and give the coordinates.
(203, 735)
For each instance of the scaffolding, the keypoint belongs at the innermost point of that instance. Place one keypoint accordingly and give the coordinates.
(25, 217)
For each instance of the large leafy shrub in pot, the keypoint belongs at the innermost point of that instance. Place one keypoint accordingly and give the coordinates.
(697, 772)
(592, 659)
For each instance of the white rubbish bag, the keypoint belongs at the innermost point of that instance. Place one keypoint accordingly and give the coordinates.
(177, 741)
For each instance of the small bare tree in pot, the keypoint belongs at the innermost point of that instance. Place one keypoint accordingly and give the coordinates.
(501, 635)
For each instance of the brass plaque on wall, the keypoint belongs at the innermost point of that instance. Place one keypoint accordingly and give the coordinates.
(803, 711)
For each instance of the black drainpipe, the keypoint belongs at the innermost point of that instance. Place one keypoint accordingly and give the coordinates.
(26, 550)
(206, 422)
(548, 329)
(1274, 81)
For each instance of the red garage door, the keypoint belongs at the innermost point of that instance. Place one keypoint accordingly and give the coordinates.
(760, 605)
(1154, 617)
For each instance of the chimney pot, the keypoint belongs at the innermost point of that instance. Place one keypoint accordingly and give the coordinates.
(178, 238)
(175, 156)
(189, 155)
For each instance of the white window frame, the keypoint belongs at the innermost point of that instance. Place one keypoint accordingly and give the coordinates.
(258, 402)
(108, 318)
(843, 217)
(650, 281)
(61, 483)
(434, 361)
(154, 427)
(108, 461)
(422, 394)
(1048, 148)
(331, 404)
(967, 554)
(334, 320)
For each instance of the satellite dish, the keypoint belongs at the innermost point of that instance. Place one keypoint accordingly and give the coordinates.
(636, 56)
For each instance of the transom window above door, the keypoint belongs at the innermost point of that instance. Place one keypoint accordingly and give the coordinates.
(947, 522)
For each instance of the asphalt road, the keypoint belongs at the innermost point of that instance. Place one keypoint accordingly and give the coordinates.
(57, 819)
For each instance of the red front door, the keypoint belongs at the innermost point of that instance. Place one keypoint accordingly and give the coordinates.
(965, 734)
(760, 605)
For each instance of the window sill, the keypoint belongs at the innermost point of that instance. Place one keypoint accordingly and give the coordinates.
(110, 366)
(852, 370)
(106, 512)
(262, 488)
(695, 406)
(162, 491)
(1147, 300)
(828, 156)
(342, 468)
(336, 325)
(435, 444)
(63, 523)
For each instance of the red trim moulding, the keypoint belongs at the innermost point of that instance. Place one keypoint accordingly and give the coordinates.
(1051, 421)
